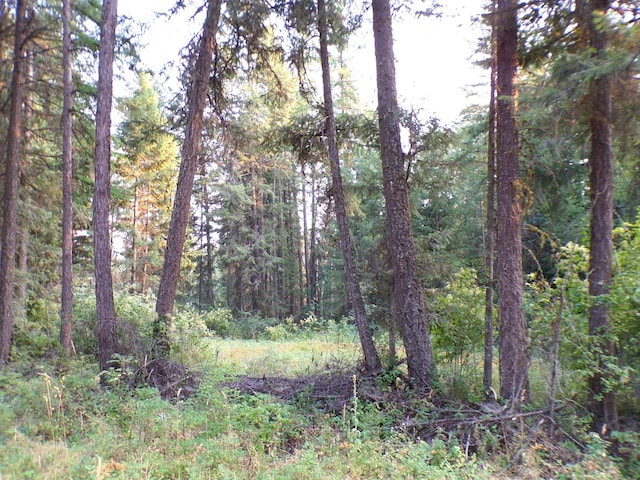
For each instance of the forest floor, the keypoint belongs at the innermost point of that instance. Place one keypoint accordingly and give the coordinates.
(296, 408)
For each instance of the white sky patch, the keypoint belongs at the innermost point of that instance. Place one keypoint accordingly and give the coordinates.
(435, 57)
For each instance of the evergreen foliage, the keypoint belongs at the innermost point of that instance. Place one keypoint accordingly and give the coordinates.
(262, 289)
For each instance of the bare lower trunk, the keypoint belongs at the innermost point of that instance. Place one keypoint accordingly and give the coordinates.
(8, 238)
(514, 361)
(105, 308)
(66, 295)
(487, 377)
(602, 403)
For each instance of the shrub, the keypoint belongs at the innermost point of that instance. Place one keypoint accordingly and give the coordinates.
(458, 329)
(135, 314)
(249, 326)
(219, 320)
(189, 335)
(85, 339)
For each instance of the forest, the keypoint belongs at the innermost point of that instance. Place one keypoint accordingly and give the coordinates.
(241, 271)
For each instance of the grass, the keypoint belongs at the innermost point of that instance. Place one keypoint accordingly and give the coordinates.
(283, 358)
(56, 422)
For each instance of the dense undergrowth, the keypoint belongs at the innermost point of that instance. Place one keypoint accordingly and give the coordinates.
(267, 406)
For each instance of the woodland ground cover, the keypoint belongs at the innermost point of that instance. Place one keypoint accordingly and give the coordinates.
(285, 401)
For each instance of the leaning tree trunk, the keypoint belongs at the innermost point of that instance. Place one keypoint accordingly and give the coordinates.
(514, 361)
(197, 96)
(105, 308)
(407, 289)
(602, 404)
(66, 295)
(8, 238)
(372, 361)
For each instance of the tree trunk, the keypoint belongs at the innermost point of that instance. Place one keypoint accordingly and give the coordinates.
(22, 248)
(306, 240)
(602, 404)
(487, 377)
(407, 289)
(301, 292)
(514, 361)
(314, 263)
(105, 308)
(372, 361)
(197, 96)
(66, 295)
(11, 176)
(134, 244)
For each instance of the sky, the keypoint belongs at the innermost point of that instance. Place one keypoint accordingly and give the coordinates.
(434, 56)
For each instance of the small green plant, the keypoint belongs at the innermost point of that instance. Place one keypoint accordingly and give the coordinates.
(628, 446)
(595, 464)
(388, 379)
(458, 328)
(278, 332)
(249, 326)
(190, 336)
(218, 320)
(276, 424)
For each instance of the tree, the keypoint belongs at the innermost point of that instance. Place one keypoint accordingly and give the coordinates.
(514, 361)
(409, 304)
(487, 374)
(372, 361)
(105, 308)
(196, 96)
(11, 176)
(602, 404)
(66, 295)
(255, 208)
(146, 171)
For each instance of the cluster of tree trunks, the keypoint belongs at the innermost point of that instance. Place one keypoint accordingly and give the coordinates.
(249, 289)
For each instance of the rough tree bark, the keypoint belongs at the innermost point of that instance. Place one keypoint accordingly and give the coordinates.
(8, 238)
(371, 358)
(514, 360)
(602, 403)
(407, 289)
(487, 376)
(66, 295)
(105, 308)
(197, 96)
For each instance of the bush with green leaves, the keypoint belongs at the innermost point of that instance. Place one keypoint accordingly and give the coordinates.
(35, 334)
(276, 424)
(564, 299)
(458, 317)
(218, 320)
(135, 314)
(565, 302)
(625, 306)
(84, 334)
(249, 326)
(189, 336)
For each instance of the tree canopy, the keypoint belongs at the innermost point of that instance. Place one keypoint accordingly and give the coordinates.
(249, 183)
